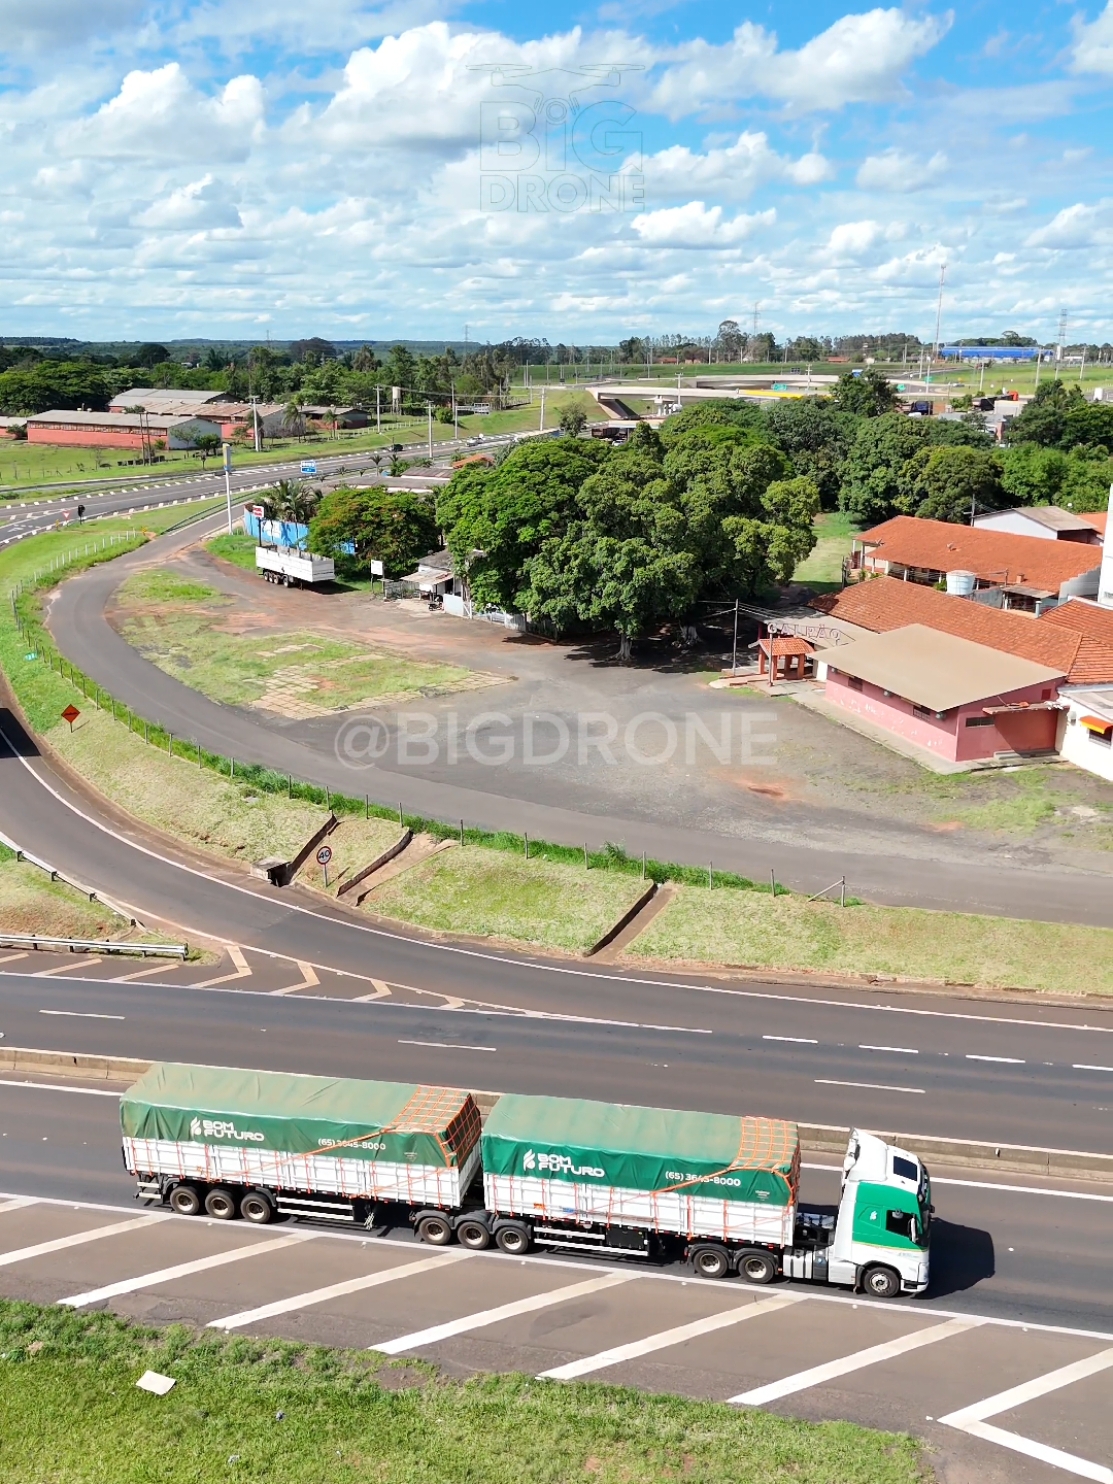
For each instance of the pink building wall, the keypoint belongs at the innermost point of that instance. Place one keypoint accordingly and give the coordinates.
(89, 437)
(950, 737)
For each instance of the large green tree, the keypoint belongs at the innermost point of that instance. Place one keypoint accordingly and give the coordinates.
(817, 436)
(53, 384)
(395, 527)
(867, 395)
(871, 473)
(951, 484)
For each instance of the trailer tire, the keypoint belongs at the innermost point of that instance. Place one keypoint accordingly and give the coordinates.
(710, 1262)
(256, 1208)
(881, 1282)
(515, 1239)
(436, 1230)
(757, 1267)
(185, 1200)
(473, 1234)
(220, 1204)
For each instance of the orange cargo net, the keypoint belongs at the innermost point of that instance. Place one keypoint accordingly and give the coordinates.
(444, 1113)
(764, 1143)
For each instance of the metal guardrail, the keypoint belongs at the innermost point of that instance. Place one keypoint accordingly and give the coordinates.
(56, 875)
(91, 945)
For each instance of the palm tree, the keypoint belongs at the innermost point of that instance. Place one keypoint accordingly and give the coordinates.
(293, 415)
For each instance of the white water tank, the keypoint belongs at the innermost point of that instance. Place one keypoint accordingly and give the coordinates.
(961, 584)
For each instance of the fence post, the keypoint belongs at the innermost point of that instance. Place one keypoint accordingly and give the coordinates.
(773, 882)
(525, 837)
(587, 865)
(170, 744)
(842, 892)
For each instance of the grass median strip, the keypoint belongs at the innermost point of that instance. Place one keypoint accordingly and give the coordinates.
(30, 902)
(748, 930)
(269, 1410)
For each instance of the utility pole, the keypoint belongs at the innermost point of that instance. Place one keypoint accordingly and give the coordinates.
(1062, 335)
(379, 410)
(228, 483)
(455, 416)
(255, 424)
(939, 307)
(429, 410)
(734, 650)
(542, 427)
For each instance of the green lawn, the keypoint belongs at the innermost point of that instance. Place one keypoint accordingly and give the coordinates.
(31, 903)
(752, 930)
(834, 531)
(299, 673)
(239, 549)
(268, 1410)
(491, 894)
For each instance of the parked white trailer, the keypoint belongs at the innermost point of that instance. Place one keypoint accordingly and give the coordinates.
(293, 568)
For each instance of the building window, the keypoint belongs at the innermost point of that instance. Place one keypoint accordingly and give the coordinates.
(979, 721)
(1103, 739)
(854, 682)
(922, 712)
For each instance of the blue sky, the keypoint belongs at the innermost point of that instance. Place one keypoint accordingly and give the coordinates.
(573, 171)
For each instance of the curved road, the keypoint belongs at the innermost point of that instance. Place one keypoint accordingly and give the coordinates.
(83, 634)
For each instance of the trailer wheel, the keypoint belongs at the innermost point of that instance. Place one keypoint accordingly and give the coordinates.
(757, 1267)
(256, 1208)
(185, 1200)
(473, 1234)
(711, 1262)
(881, 1282)
(435, 1230)
(220, 1204)
(514, 1239)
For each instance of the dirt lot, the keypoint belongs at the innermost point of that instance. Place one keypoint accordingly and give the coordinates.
(790, 775)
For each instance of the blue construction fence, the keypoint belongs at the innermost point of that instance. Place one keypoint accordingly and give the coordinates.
(283, 533)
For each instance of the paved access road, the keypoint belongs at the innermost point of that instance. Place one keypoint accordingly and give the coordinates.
(1000, 1402)
(83, 634)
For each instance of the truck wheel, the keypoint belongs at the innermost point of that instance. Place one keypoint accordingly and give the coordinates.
(220, 1204)
(186, 1200)
(757, 1267)
(473, 1234)
(513, 1239)
(256, 1208)
(435, 1230)
(881, 1282)
(711, 1262)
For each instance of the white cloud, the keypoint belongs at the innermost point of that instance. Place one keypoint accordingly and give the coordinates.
(1074, 226)
(734, 171)
(202, 203)
(1093, 44)
(894, 170)
(851, 239)
(861, 58)
(160, 115)
(696, 225)
(30, 25)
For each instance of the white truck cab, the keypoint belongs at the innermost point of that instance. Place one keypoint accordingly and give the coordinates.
(883, 1228)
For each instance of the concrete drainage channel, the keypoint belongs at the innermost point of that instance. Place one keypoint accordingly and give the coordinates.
(815, 1138)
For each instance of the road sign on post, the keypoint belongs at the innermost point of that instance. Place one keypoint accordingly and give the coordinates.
(308, 466)
(324, 855)
(70, 714)
(376, 567)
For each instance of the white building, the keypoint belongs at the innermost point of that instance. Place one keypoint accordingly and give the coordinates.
(1086, 729)
(1046, 521)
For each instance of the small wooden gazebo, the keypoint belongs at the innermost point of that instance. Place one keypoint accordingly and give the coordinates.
(784, 657)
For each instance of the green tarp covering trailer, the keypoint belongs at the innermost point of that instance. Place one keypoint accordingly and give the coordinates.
(686, 1174)
(370, 1141)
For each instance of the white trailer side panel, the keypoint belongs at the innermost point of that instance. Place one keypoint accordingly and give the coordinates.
(316, 1174)
(669, 1211)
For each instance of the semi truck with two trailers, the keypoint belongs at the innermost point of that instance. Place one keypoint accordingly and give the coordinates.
(716, 1191)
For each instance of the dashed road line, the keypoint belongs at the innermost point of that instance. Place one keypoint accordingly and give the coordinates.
(180, 1270)
(831, 1370)
(335, 1290)
(89, 1092)
(1014, 1061)
(666, 1337)
(437, 1332)
(798, 1040)
(447, 1046)
(83, 1014)
(1081, 1066)
(901, 1050)
(869, 1086)
(78, 1239)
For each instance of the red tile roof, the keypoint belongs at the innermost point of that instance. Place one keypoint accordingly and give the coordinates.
(885, 603)
(789, 645)
(995, 556)
(1094, 625)
(1095, 518)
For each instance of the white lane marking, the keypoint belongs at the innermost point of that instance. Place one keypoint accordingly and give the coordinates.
(819, 1375)
(10, 958)
(870, 1086)
(1069, 1462)
(307, 981)
(182, 1270)
(1030, 1391)
(801, 1040)
(78, 1239)
(973, 1419)
(1081, 1066)
(17, 1203)
(335, 1290)
(902, 1050)
(143, 973)
(77, 963)
(447, 1046)
(82, 1014)
(438, 1332)
(1066, 1195)
(1015, 1061)
(554, 969)
(89, 1092)
(666, 1337)
(381, 992)
(243, 969)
